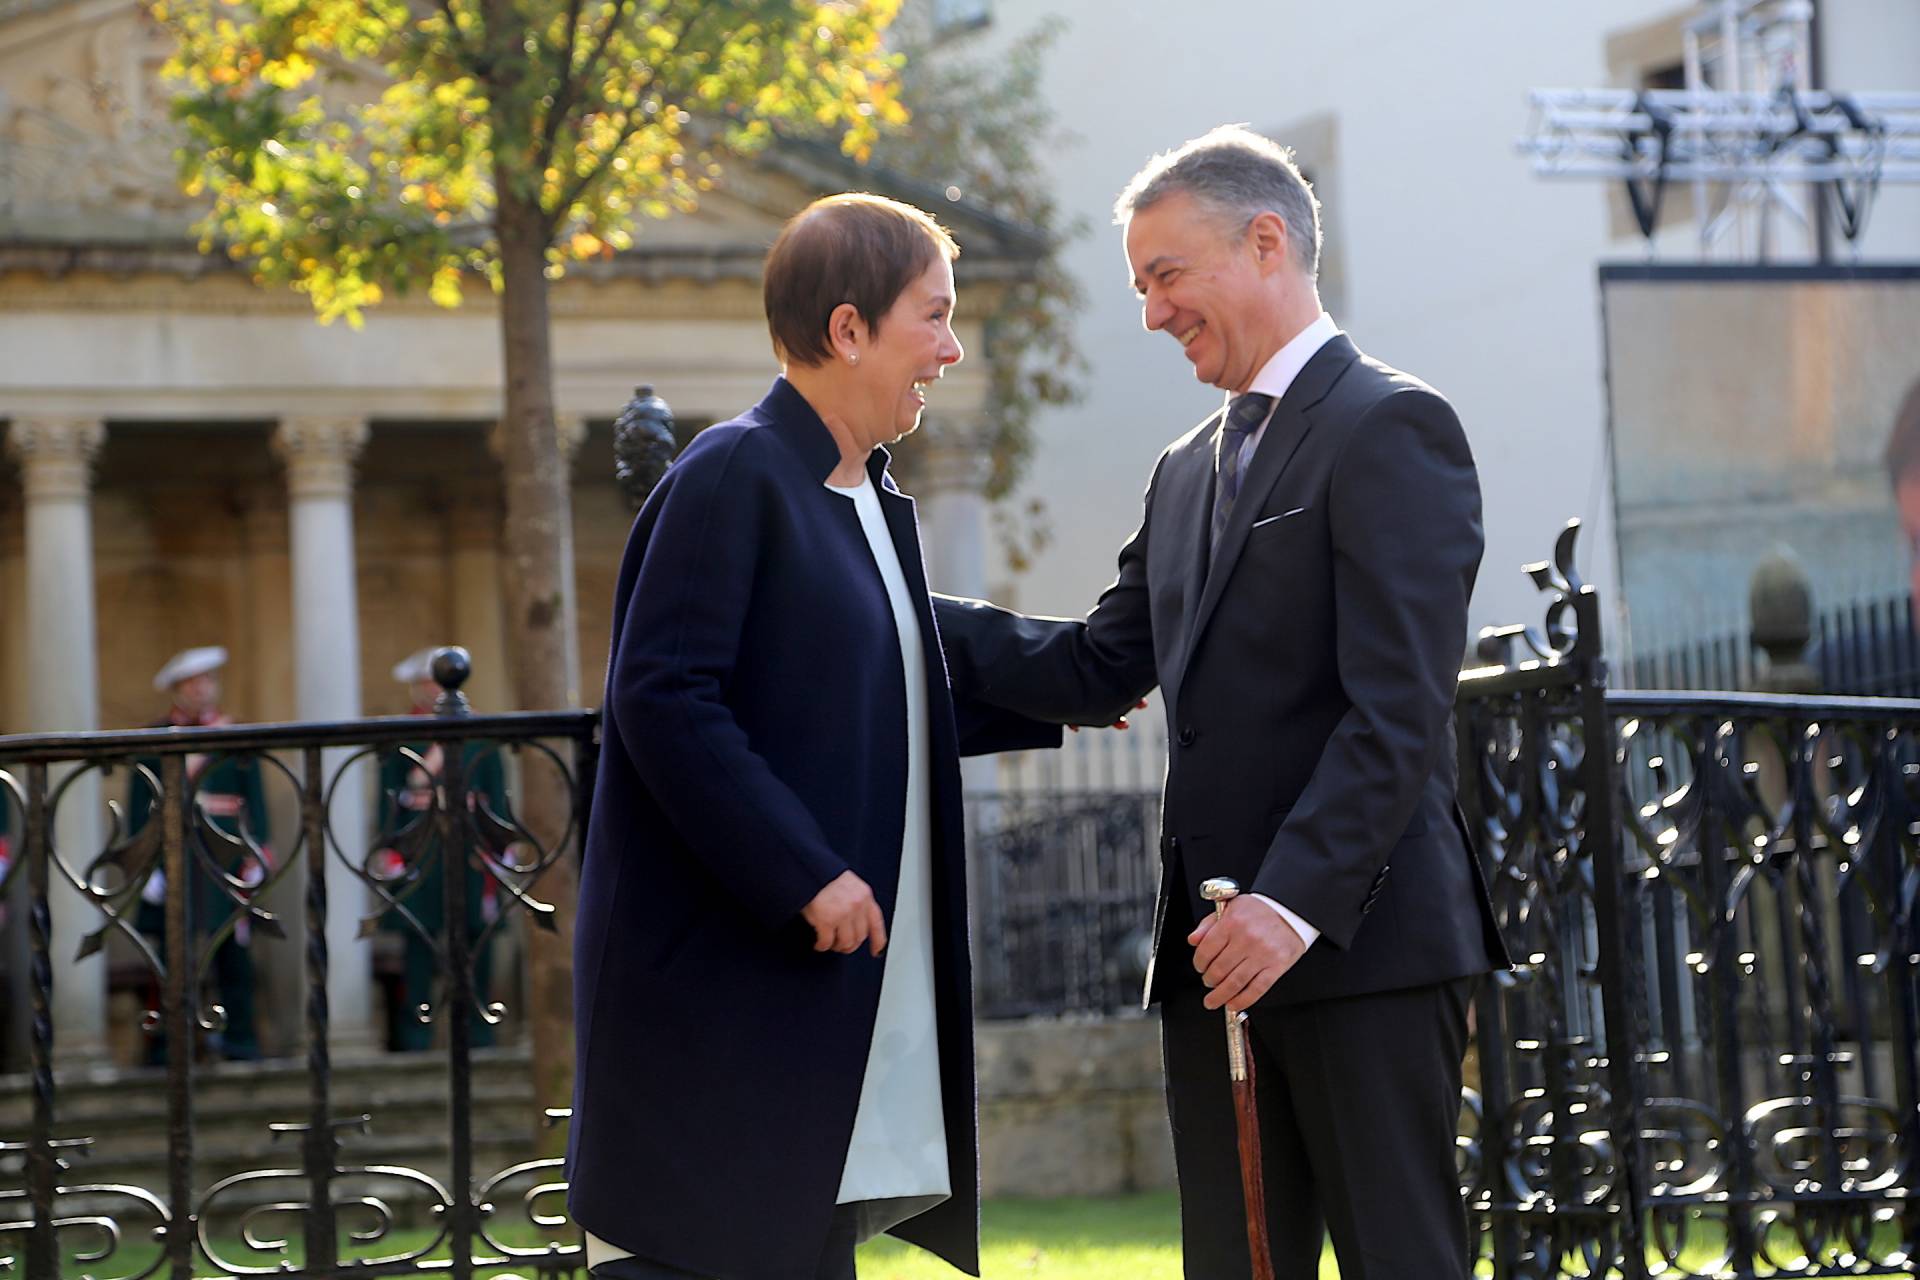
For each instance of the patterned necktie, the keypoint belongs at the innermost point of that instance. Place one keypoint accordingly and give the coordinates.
(1244, 416)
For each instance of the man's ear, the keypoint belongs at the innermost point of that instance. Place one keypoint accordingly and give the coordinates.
(846, 332)
(1267, 233)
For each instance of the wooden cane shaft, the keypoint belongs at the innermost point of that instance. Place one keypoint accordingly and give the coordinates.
(1252, 1181)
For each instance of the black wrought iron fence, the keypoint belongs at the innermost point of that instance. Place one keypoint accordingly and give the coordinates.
(309, 1207)
(1064, 899)
(1704, 1061)
(1866, 648)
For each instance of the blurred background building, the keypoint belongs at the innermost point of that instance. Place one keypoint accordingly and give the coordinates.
(1448, 257)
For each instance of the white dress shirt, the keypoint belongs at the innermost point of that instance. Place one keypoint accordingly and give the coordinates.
(1273, 380)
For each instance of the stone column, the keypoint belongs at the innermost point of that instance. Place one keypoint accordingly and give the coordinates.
(63, 693)
(954, 464)
(952, 478)
(319, 454)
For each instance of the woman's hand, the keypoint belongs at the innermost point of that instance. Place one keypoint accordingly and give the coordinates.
(844, 915)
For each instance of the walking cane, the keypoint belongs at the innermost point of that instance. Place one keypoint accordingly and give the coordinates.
(1246, 1117)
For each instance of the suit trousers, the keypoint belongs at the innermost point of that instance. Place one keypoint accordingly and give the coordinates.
(1359, 1101)
(836, 1260)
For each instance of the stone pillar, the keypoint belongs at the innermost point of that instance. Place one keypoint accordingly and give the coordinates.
(954, 465)
(63, 694)
(13, 703)
(952, 470)
(319, 454)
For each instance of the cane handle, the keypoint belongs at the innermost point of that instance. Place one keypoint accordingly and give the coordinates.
(1220, 891)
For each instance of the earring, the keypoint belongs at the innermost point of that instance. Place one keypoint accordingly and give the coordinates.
(854, 358)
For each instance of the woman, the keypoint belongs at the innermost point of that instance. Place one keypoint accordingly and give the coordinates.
(775, 1055)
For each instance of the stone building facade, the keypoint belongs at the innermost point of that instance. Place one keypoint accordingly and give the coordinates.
(191, 459)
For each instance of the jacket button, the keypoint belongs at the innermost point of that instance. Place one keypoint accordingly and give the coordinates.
(1186, 736)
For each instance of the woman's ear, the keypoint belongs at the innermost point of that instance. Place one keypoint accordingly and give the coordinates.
(847, 333)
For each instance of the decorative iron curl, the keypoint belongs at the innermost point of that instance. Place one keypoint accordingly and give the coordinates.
(382, 1215)
(366, 869)
(203, 837)
(111, 1233)
(549, 1180)
(1560, 639)
(13, 799)
(116, 875)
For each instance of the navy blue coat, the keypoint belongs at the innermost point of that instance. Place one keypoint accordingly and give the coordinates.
(755, 748)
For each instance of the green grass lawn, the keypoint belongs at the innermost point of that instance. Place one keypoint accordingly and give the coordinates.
(1119, 1238)
(1137, 1237)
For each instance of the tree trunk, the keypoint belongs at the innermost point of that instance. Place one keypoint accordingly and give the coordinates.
(541, 620)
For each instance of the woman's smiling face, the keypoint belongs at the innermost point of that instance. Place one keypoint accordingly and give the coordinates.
(909, 348)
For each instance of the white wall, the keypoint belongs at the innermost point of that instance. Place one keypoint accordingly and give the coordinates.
(1460, 266)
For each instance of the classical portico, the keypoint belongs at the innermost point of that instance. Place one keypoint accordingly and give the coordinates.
(198, 460)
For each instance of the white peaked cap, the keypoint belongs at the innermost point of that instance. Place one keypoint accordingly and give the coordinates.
(416, 666)
(189, 663)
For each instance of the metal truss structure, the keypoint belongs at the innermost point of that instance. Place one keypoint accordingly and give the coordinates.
(1747, 130)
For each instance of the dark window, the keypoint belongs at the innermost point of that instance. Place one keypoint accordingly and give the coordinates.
(1671, 75)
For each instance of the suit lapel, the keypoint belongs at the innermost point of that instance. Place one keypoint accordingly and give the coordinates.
(1183, 508)
(1286, 431)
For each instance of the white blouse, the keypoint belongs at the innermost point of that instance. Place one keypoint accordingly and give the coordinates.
(899, 1146)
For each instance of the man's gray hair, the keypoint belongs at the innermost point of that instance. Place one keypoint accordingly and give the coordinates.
(1236, 173)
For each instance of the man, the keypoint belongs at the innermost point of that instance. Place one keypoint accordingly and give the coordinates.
(230, 801)
(1298, 590)
(415, 869)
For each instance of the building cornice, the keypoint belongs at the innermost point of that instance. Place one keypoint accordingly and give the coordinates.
(108, 275)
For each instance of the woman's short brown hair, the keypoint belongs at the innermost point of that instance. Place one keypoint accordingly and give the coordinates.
(853, 248)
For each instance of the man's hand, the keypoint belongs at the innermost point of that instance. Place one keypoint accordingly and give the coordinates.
(1242, 952)
(1121, 723)
(844, 915)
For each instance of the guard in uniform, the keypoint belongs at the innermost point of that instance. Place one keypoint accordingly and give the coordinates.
(406, 796)
(228, 794)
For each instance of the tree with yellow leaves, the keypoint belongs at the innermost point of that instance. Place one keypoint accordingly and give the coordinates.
(351, 147)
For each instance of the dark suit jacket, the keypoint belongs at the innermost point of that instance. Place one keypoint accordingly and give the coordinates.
(1308, 674)
(755, 748)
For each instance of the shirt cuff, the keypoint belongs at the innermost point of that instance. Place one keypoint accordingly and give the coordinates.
(1308, 934)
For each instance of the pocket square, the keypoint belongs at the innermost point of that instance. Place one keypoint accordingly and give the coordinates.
(1282, 516)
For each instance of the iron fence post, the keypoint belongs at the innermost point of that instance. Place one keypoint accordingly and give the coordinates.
(43, 1249)
(179, 1014)
(320, 1146)
(1617, 924)
(458, 846)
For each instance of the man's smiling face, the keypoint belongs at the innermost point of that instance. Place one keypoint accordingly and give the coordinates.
(1203, 282)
